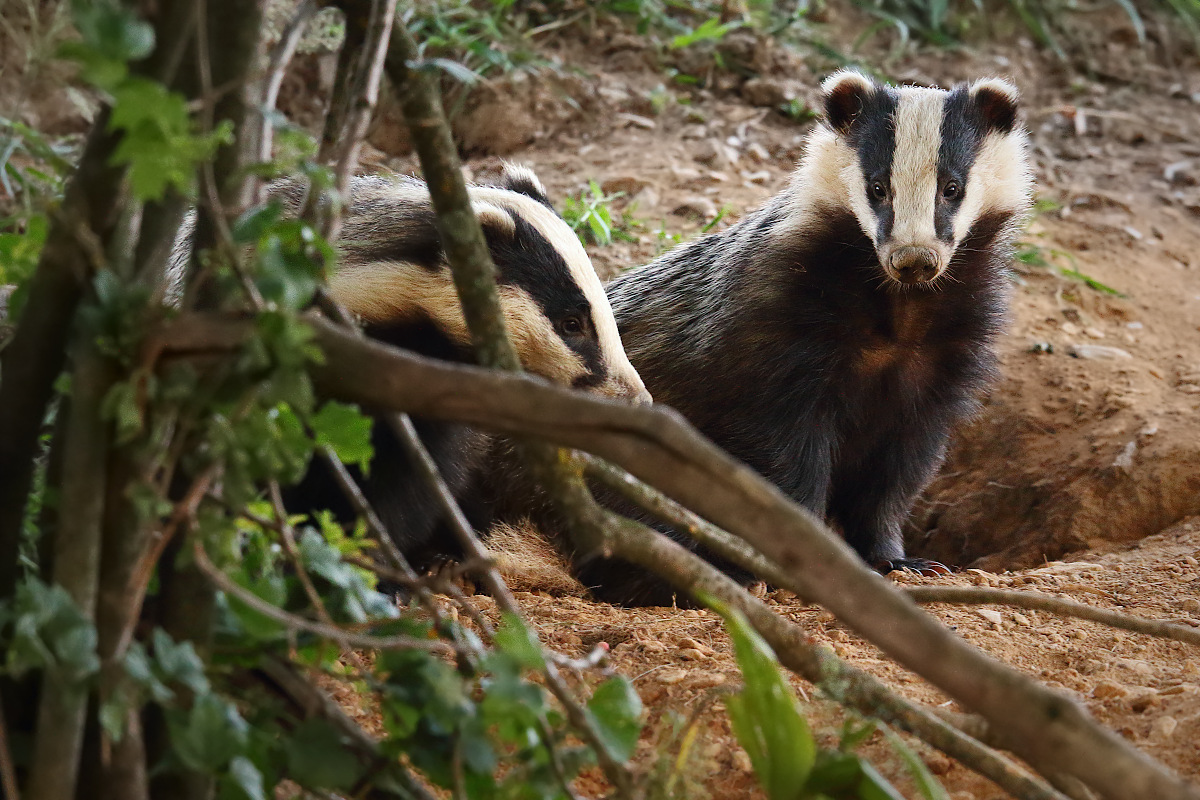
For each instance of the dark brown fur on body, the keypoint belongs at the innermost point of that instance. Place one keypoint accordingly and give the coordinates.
(797, 356)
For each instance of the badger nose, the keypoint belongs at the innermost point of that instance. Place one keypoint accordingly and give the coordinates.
(914, 264)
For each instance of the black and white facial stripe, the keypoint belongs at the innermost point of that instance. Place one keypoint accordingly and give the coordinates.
(394, 272)
(917, 166)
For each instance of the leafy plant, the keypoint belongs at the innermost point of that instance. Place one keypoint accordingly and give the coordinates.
(590, 215)
(768, 722)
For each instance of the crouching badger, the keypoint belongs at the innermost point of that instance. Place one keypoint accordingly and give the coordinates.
(832, 339)
(393, 275)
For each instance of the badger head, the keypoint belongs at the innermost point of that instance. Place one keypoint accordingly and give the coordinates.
(919, 168)
(394, 272)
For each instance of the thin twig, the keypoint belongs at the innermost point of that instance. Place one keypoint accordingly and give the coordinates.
(289, 545)
(363, 85)
(1040, 601)
(8, 770)
(295, 623)
(616, 772)
(281, 56)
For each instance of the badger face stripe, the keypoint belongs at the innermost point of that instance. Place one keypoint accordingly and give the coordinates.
(914, 166)
(545, 258)
(962, 135)
(873, 137)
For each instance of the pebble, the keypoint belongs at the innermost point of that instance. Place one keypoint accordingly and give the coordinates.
(699, 209)
(637, 121)
(1191, 605)
(671, 676)
(1134, 326)
(696, 131)
(1097, 351)
(688, 643)
(692, 654)
(1136, 665)
(1180, 173)
(705, 679)
(1095, 333)
(1021, 619)
(1070, 328)
(627, 184)
(1106, 689)
(1165, 726)
(990, 615)
(757, 152)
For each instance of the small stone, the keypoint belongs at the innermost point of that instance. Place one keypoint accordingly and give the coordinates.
(688, 643)
(1070, 329)
(990, 615)
(760, 177)
(1180, 173)
(1136, 666)
(711, 153)
(938, 764)
(1190, 605)
(770, 92)
(1021, 619)
(705, 679)
(1133, 233)
(1097, 352)
(757, 152)
(1165, 726)
(698, 209)
(696, 131)
(692, 654)
(742, 761)
(1106, 689)
(1134, 326)
(1095, 333)
(653, 647)
(637, 121)
(672, 676)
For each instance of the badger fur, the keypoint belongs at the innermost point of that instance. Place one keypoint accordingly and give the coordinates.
(833, 338)
(393, 275)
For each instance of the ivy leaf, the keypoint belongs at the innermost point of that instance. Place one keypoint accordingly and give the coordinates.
(247, 778)
(345, 429)
(318, 758)
(516, 640)
(209, 735)
(616, 712)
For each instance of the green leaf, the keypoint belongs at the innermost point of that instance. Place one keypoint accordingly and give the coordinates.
(345, 429)
(247, 777)
(927, 784)
(616, 711)
(765, 715)
(317, 757)
(711, 29)
(515, 639)
(209, 735)
(113, 29)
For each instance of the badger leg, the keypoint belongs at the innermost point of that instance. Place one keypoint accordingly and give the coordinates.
(872, 496)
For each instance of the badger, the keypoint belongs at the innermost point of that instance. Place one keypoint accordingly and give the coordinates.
(394, 277)
(833, 338)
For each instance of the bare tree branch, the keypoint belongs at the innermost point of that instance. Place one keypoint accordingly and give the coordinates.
(1050, 731)
(277, 63)
(1039, 601)
(462, 238)
(62, 713)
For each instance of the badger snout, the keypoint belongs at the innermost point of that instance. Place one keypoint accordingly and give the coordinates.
(913, 264)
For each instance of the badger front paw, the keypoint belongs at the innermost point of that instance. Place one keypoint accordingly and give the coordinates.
(921, 566)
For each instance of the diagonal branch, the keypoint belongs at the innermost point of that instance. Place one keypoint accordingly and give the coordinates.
(1050, 731)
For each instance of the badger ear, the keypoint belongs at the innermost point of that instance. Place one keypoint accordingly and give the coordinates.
(520, 179)
(494, 220)
(997, 101)
(845, 94)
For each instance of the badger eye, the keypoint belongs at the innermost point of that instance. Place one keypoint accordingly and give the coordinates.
(879, 191)
(571, 326)
(951, 191)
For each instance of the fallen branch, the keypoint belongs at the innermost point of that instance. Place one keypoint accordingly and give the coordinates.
(1040, 601)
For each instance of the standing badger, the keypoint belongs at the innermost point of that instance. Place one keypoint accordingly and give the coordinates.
(393, 275)
(832, 339)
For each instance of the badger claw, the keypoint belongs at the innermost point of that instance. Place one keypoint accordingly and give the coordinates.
(921, 566)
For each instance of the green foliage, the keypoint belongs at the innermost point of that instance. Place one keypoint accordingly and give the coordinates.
(590, 215)
(711, 30)
(346, 430)
(767, 720)
(43, 629)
